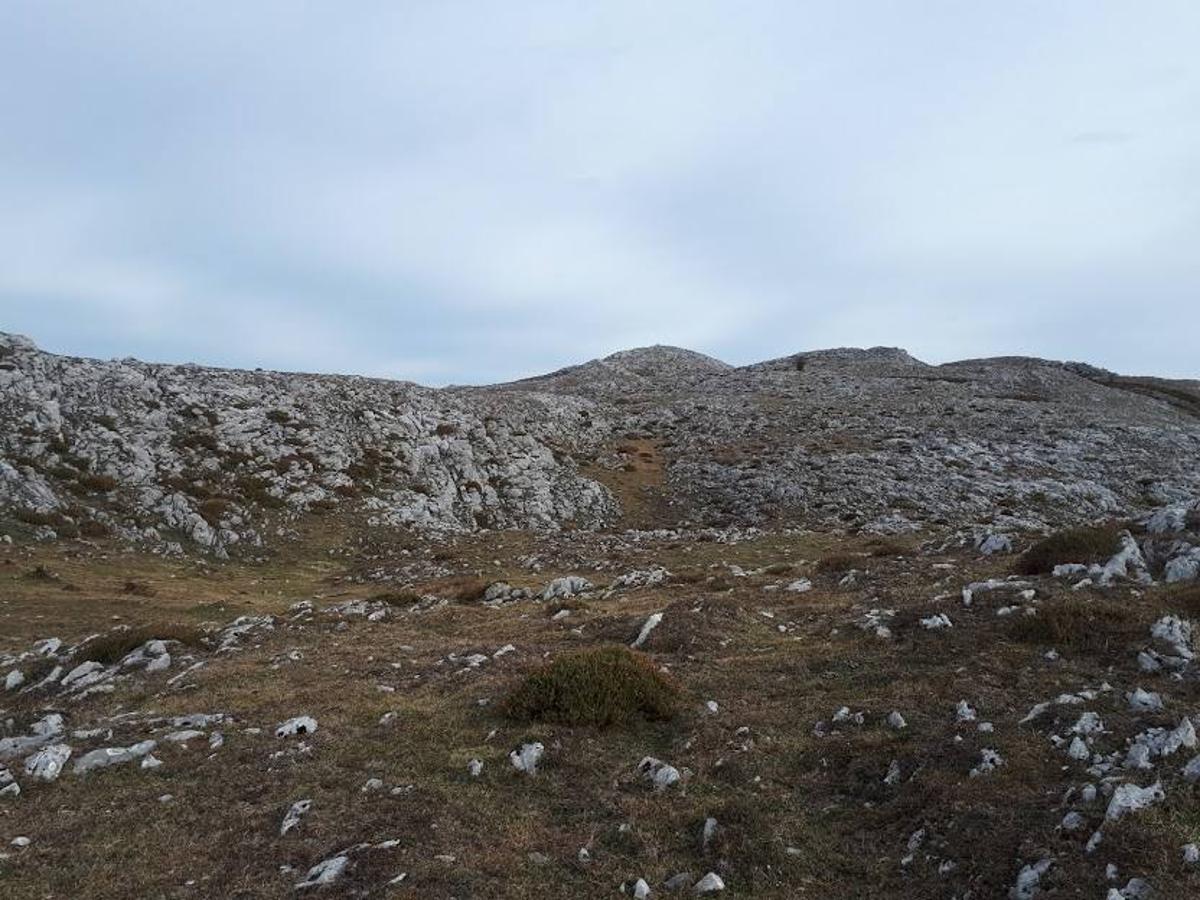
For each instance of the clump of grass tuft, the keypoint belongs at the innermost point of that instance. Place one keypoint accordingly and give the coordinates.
(41, 573)
(1087, 544)
(1079, 624)
(745, 839)
(97, 484)
(461, 588)
(113, 646)
(836, 563)
(884, 547)
(604, 686)
(1185, 601)
(403, 597)
(90, 528)
(213, 509)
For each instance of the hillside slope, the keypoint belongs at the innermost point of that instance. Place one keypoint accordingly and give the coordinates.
(868, 440)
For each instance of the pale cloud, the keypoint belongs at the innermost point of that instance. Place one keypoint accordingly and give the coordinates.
(457, 192)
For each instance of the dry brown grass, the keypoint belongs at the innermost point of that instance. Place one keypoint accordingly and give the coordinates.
(837, 563)
(459, 588)
(112, 647)
(213, 509)
(1184, 600)
(1078, 623)
(99, 484)
(776, 785)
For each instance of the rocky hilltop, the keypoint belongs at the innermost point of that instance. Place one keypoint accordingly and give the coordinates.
(862, 440)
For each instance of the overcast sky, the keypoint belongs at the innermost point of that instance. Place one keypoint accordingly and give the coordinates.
(470, 192)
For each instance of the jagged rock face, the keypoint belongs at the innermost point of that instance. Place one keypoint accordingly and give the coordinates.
(869, 439)
(208, 454)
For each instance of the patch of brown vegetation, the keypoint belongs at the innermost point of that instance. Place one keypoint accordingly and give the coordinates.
(1079, 623)
(115, 645)
(1184, 601)
(458, 588)
(1086, 544)
(836, 563)
(98, 484)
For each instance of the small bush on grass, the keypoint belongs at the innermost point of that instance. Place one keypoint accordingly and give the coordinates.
(113, 646)
(213, 509)
(1079, 624)
(1088, 544)
(90, 528)
(36, 669)
(401, 598)
(97, 484)
(461, 588)
(836, 563)
(605, 686)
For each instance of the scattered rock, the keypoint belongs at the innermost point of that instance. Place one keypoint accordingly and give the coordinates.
(1128, 798)
(47, 764)
(648, 626)
(568, 586)
(709, 884)
(295, 813)
(1029, 879)
(325, 872)
(526, 757)
(296, 726)
(659, 773)
(112, 756)
(1145, 701)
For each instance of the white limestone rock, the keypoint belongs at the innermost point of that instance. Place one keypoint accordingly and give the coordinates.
(526, 757)
(648, 626)
(292, 817)
(325, 872)
(296, 726)
(48, 763)
(992, 543)
(563, 588)
(709, 884)
(106, 757)
(660, 774)
(1129, 798)
(1029, 880)
(1145, 701)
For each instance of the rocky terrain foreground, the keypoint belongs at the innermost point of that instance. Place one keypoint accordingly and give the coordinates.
(837, 625)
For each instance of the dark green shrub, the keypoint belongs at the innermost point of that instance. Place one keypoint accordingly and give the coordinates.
(112, 647)
(604, 686)
(1087, 544)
